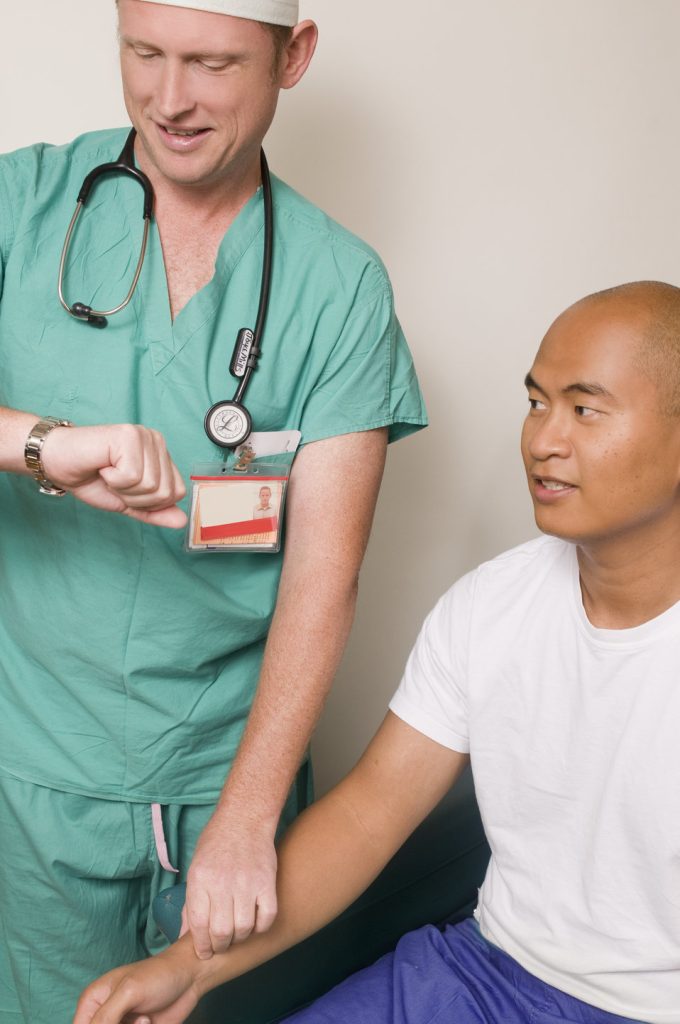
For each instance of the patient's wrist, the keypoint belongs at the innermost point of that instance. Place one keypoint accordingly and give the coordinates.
(240, 958)
(205, 974)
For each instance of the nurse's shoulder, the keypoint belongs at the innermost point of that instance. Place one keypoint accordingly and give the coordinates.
(326, 248)
(38, 180)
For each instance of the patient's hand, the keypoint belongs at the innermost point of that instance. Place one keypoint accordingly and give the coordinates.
(161, 988)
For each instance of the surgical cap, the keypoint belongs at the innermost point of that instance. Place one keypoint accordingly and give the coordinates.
(276, 12)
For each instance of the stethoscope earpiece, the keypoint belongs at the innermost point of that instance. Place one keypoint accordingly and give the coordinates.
(82, 312)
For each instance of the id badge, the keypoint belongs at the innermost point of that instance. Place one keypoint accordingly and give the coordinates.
(238, 505)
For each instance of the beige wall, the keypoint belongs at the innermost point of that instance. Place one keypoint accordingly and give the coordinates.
(505, 157)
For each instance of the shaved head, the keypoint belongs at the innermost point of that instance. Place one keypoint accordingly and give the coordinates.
(652, 307)
(601, 440)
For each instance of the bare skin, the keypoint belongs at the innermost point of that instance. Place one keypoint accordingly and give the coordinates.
(618, 451)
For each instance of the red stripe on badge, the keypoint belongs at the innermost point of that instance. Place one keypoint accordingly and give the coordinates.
(244, 529)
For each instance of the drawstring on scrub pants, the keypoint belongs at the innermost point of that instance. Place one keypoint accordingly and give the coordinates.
(159, 837)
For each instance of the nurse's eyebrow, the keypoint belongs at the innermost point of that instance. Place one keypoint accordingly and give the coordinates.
(223, 55)
(130, 41)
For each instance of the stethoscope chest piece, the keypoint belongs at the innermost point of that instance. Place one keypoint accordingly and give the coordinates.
(228, 424)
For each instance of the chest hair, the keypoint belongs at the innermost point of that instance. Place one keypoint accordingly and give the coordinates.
(189, 253)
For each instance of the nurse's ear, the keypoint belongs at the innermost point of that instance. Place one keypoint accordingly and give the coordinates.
(297, 54)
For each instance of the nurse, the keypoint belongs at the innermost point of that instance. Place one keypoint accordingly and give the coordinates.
(135, 675)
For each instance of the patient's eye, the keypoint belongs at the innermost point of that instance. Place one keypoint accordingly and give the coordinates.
(535, 404)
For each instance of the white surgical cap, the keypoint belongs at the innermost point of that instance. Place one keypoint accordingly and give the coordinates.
(276, 12)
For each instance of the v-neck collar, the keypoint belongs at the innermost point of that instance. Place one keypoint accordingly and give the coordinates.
(166, 338)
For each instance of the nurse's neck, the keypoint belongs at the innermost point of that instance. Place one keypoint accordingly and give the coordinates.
(193, 216)
(194, 196)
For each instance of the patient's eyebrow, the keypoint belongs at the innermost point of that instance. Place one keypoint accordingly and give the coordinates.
(585, 387)
(530, 384)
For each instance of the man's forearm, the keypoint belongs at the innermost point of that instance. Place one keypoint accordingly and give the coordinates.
(338, 846)
(15, 427)
(236, 849)
(327, 858)
(308, 635)
(325, 861)
(331, 502)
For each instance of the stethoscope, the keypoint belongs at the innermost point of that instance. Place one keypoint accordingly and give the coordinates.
(227, 423)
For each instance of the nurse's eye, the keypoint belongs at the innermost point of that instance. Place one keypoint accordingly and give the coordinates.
(215, 65)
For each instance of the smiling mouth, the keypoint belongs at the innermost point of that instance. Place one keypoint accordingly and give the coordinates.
(183, 133)
(554, 485)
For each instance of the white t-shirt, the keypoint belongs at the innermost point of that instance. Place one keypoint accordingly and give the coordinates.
(574, 736)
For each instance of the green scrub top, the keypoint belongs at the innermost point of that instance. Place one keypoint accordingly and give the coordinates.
(127, 665)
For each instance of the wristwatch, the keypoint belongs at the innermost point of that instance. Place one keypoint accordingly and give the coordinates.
(33, 453)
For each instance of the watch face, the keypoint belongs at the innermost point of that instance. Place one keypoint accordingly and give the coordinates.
(227, 424)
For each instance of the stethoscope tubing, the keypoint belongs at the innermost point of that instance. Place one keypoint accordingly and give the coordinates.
(265, 286)
(125, 164)
(98, 317)
(64, 256)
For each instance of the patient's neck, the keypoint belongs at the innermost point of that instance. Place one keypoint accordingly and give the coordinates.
(630, 579)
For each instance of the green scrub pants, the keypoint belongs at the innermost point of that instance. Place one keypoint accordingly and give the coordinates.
(78, 876)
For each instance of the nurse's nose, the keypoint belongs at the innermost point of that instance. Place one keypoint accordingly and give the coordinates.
(173, 94)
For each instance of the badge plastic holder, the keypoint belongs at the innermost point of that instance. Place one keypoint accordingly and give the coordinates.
(238, 505)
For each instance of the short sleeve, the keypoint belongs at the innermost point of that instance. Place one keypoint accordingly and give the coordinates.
(432, 696)
(369, 380)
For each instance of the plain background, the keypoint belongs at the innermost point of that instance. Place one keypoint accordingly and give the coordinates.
(505, 157)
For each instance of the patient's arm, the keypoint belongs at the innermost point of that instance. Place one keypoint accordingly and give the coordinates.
(328, 857)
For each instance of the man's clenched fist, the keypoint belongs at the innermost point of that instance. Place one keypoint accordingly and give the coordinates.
(118, 468)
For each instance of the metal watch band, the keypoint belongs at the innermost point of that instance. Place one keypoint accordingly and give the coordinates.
(33, 454)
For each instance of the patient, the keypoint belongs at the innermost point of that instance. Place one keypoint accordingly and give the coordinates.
(555, 669)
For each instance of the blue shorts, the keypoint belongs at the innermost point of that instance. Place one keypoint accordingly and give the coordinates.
(450, 977)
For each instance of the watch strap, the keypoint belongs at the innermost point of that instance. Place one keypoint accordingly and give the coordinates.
(33, 454)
